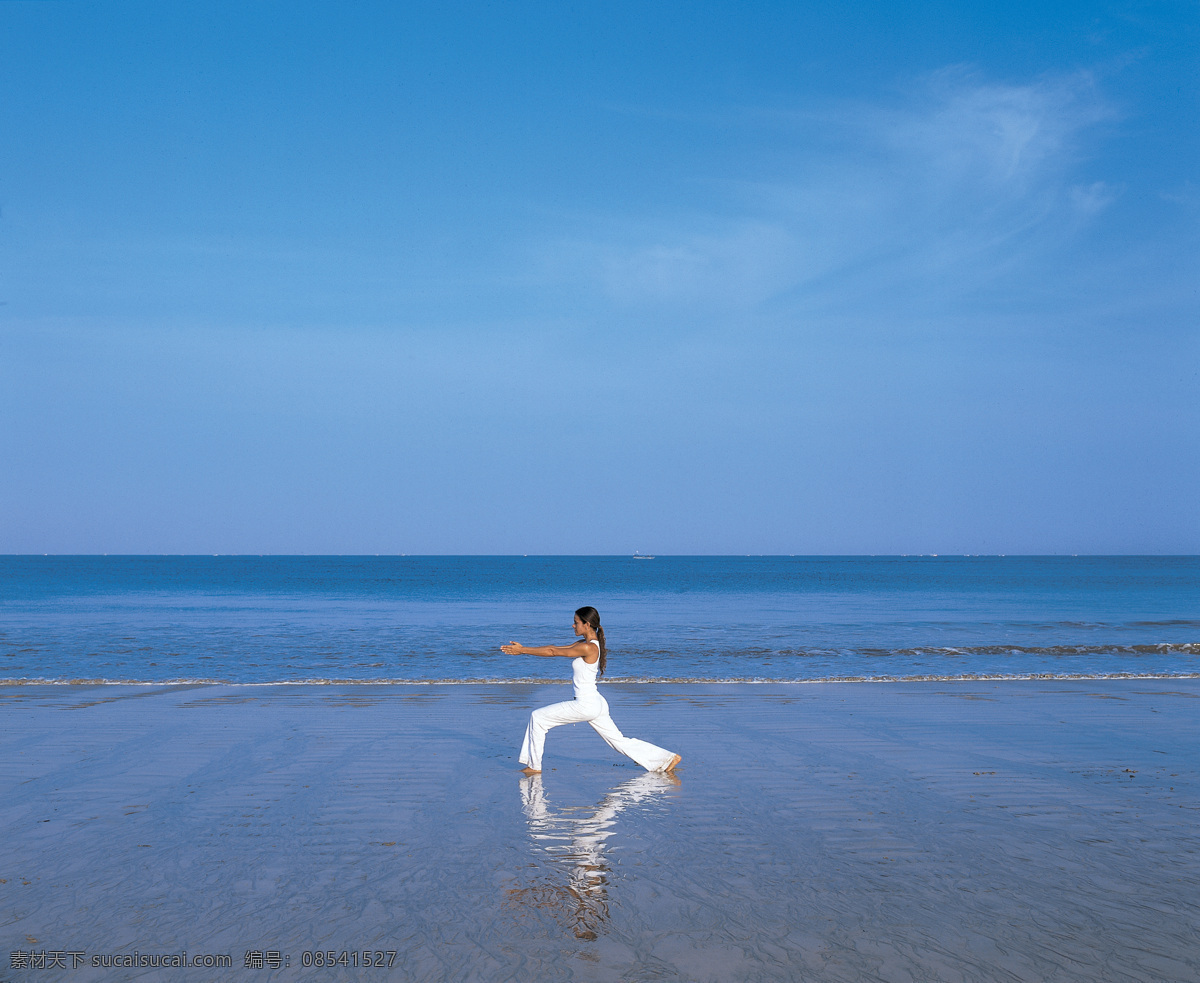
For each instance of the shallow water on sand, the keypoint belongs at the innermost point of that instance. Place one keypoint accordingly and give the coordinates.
(960, 831)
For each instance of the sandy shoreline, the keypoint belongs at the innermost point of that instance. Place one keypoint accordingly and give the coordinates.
(982, 830)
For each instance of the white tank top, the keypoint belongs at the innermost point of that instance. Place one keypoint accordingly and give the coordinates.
(584, 676)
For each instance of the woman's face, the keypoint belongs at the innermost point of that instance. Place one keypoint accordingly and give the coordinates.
(579, 626)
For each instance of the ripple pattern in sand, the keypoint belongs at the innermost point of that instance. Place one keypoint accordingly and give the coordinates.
(967, 831)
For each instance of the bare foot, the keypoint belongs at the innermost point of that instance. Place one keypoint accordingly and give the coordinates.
(532, 771)
(673, 762)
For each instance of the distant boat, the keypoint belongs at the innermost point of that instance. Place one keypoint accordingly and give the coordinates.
(641, 556)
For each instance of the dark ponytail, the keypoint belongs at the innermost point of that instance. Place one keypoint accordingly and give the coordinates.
(591, 618)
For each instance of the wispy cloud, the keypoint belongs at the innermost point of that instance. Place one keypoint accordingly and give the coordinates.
(956, 184)
(1007, 138)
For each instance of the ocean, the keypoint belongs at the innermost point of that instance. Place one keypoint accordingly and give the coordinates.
(417, 619)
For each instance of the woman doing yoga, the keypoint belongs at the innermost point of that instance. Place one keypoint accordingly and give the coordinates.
(588, 656)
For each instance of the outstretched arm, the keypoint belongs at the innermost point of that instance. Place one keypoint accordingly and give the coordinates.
(547, 651)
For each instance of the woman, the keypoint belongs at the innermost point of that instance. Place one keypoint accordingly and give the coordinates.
(588, 657)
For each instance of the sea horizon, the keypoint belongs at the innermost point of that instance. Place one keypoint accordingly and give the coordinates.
(249, 619)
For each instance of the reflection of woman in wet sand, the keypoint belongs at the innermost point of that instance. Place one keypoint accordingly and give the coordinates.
(576, 839)
(588, 657)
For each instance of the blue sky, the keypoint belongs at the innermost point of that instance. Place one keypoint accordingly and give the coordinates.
(599, 277)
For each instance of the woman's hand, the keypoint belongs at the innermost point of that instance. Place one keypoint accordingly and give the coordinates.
(512, 648)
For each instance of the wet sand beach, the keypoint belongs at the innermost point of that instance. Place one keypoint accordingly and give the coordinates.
(984, 830)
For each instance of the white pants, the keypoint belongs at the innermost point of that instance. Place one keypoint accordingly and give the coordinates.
(595, 712)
